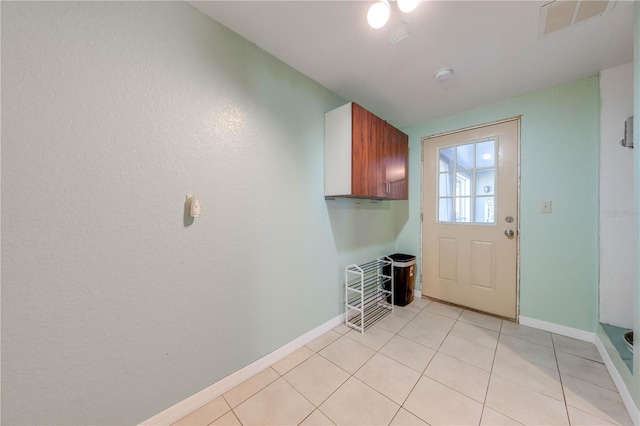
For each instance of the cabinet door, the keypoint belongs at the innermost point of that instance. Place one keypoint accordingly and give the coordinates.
(396, 163)
(367, 178)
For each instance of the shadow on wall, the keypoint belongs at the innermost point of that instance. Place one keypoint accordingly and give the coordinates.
(401, 214)
(363, 230)
(358, 225)
(187, 219)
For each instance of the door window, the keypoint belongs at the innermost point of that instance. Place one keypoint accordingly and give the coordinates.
(466, 183)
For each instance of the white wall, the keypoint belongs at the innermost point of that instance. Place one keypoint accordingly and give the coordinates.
(617, 214)
(115, 306)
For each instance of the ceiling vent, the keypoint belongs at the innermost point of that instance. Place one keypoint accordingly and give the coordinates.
(562, 13)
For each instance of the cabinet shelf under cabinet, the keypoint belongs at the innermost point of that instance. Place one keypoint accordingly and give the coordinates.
(365, 157)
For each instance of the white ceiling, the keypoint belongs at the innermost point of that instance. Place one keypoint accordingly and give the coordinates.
(493, 47)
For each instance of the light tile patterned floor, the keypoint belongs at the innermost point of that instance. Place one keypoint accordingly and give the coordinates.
(427, 363)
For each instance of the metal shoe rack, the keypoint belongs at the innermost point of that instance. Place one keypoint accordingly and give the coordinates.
(368, 293)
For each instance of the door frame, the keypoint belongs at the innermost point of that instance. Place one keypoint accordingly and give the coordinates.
(425, 139)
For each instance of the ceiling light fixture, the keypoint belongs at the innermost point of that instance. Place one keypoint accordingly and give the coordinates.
(443, 74)
(407, 5)
(379, 12)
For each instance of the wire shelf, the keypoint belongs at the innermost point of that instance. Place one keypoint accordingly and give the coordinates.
(368, 293)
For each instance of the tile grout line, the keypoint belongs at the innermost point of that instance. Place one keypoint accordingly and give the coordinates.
(486, 392)
(438, 351)
(351, 375)
(421, 373)
(564, 397)
(425, 369)
(484, 404)
(317, 407)
(230, 411)
(580, 379)
(400, 406)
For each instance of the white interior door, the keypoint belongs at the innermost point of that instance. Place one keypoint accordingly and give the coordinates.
(470, 218)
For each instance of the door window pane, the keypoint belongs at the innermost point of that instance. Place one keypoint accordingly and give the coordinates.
(464, 154)
(485, 182)
(446, 185)
(485, 210)
(445, 210)
(466, 183)
(485, 154)
(447, 159)
(463, 183)
(463, 209)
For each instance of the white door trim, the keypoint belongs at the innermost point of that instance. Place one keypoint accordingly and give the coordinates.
(477, 126)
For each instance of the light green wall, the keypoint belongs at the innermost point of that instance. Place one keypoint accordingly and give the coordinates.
(559, 162)
(115, 306)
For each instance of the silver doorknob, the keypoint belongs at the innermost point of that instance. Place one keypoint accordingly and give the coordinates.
(508, 233)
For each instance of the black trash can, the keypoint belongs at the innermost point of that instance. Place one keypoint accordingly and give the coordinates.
(403, 268)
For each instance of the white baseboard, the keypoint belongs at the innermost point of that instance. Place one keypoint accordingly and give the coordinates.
(619, 382)
(563, 330)
(186, 406)
(593, 338)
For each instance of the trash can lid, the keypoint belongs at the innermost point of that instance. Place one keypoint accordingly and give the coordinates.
(400, 257)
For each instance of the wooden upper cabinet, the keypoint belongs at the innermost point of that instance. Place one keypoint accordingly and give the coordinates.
(396, 163)
(365, 157)
(367, 154)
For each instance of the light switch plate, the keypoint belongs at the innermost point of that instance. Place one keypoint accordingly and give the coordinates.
(545, 206)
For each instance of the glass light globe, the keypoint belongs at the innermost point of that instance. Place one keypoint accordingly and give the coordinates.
(378, 14)
(407, 5)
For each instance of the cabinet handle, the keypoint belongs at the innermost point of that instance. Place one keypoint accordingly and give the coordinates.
(387, 187)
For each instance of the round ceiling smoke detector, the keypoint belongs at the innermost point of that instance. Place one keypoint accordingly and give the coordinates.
(443, 74)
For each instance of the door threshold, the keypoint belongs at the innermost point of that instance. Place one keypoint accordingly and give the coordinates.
(444, 302)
